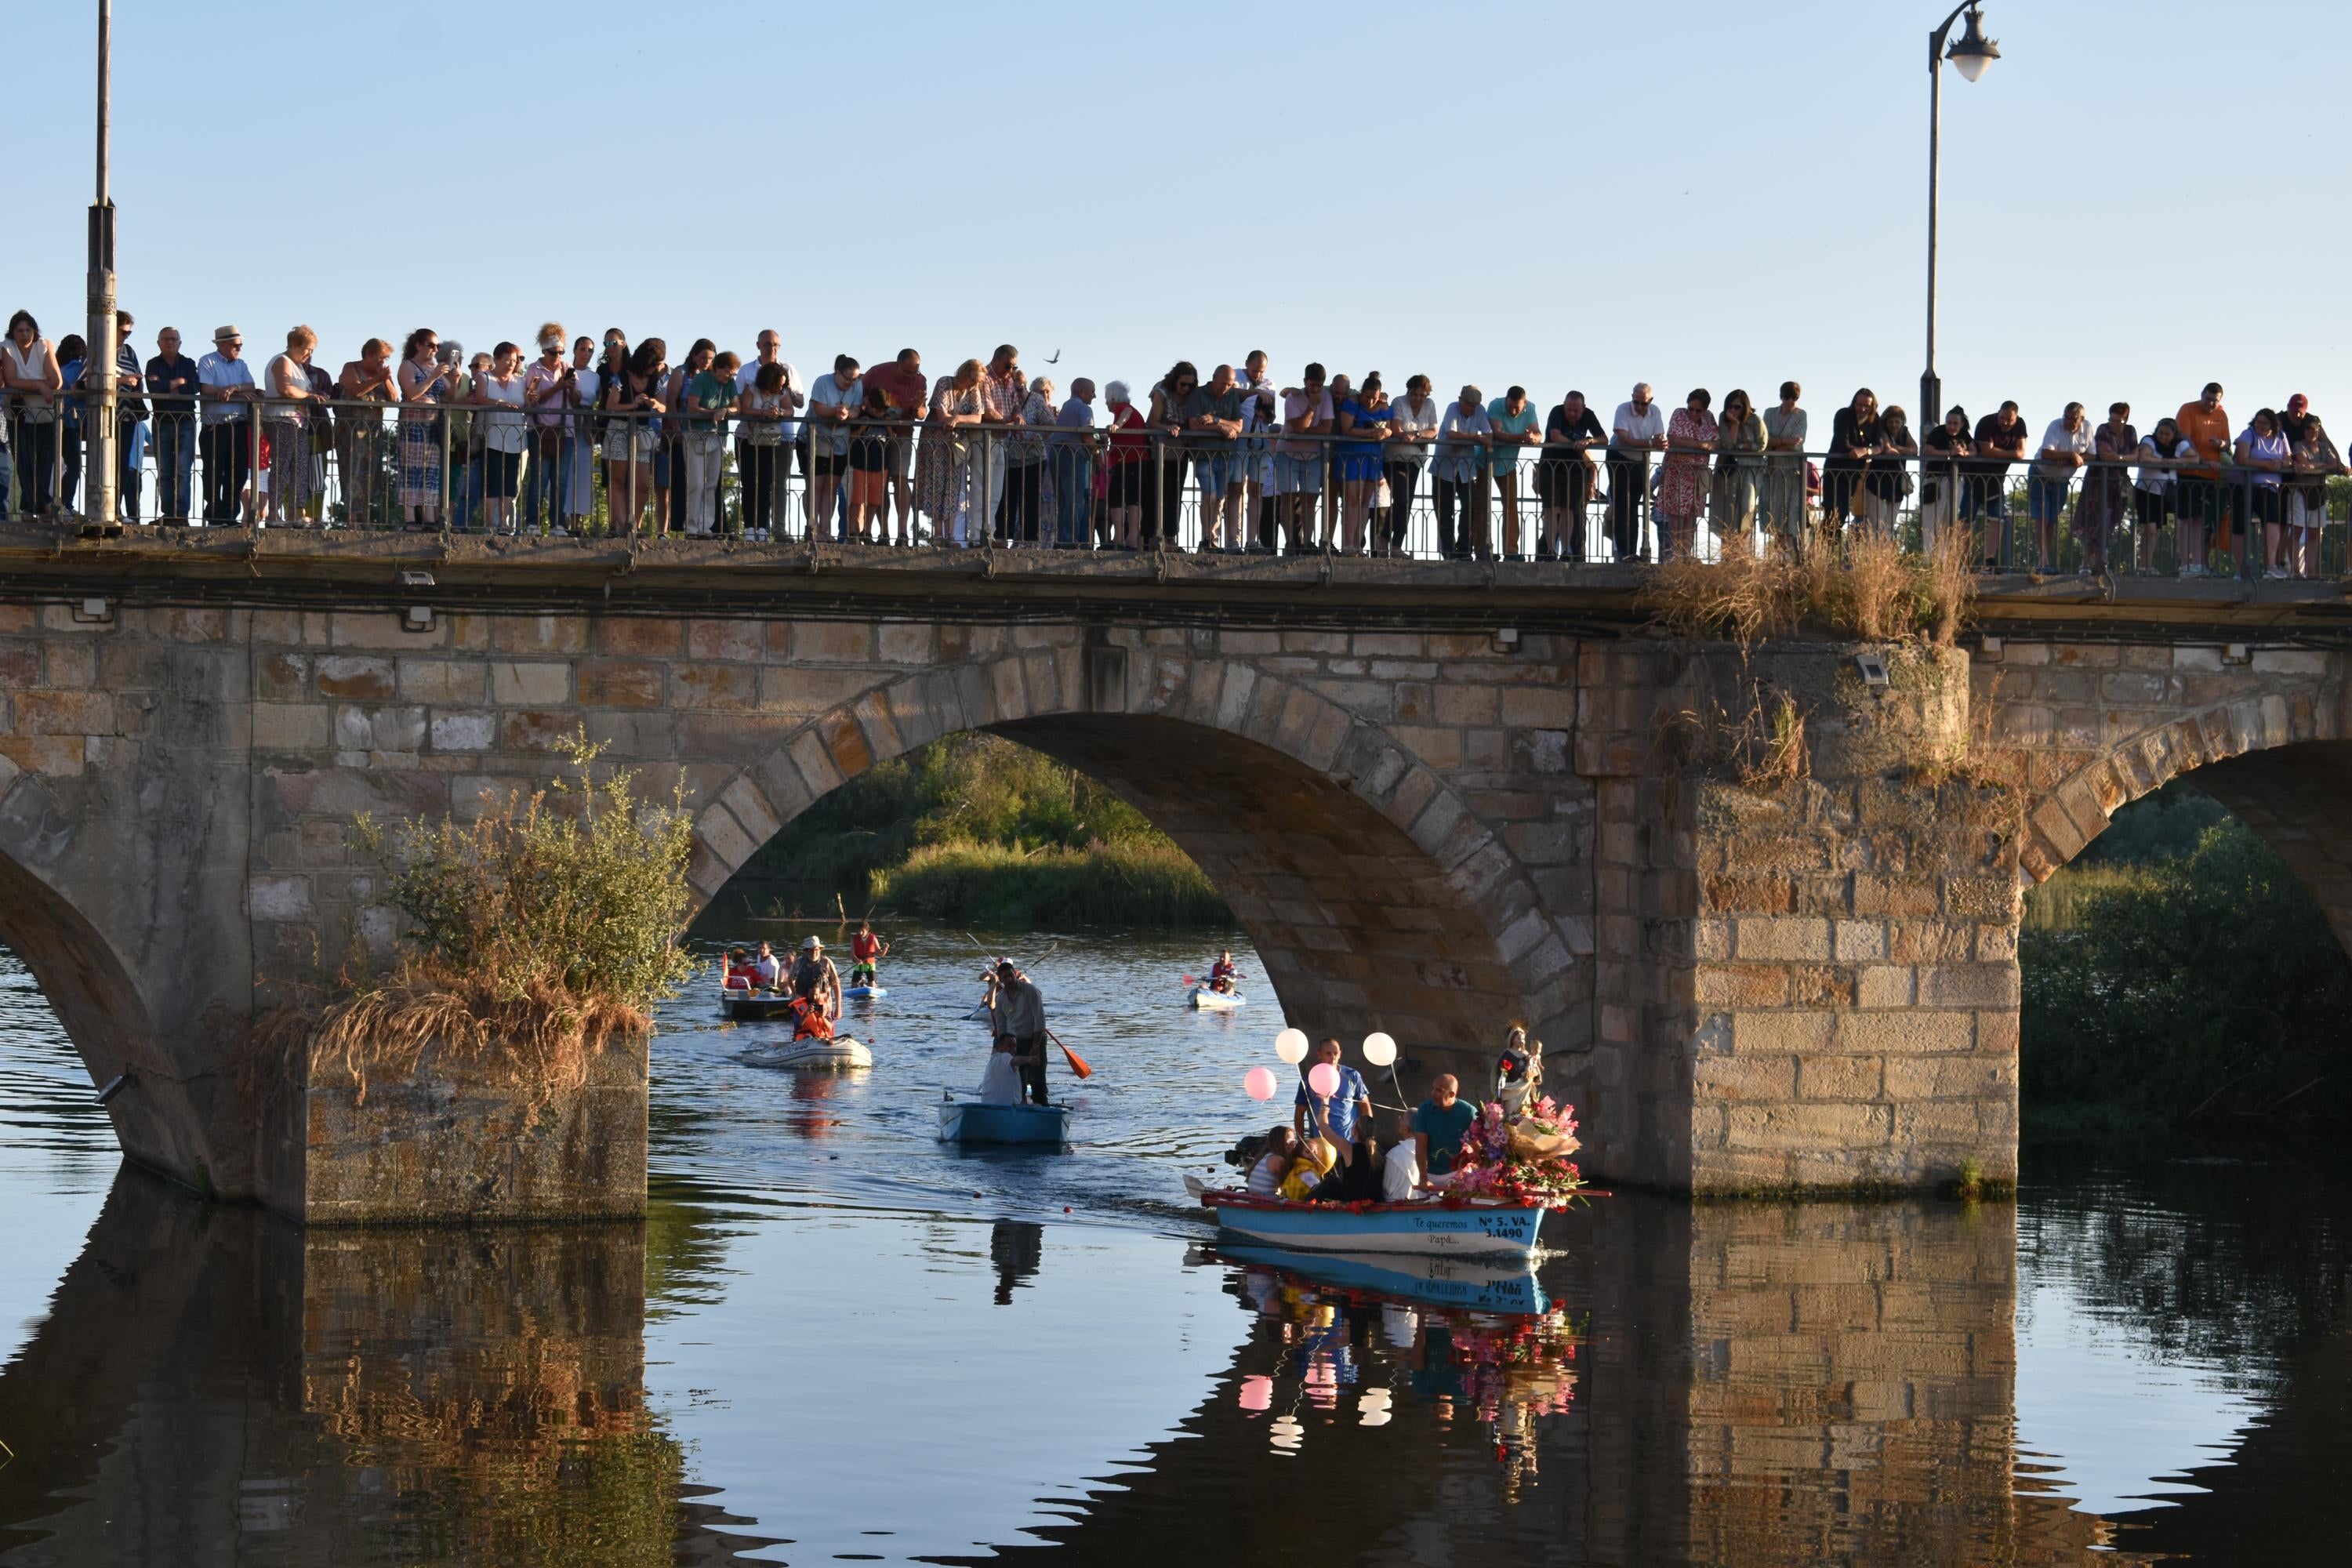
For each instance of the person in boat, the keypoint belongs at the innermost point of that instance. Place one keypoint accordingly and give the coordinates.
(1021, 1012)
(1357, 1176)
(1312, 1160)
(1353, 1099)
(866, 950)
(814, 979)
(1439, 1125)
(767, 970)
(738, 975)
(1224, 979)
(1000, 1082)
(1266, 1177)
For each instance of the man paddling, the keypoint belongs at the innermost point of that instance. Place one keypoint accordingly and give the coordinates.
(1021, 1012)
(865, 949)
(1224, 976)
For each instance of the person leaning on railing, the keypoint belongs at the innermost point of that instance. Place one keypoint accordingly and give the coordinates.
(1739, 445)
(546, 391)
(28, 365)
(760, 448)
(1515, 425)
(1163, 490)
(1853, 441)
(1942, 486)
(1691, 434)
(2162, 453)
(227, 394)
(2000, 441)
(1363, 424)
(1126, 466)
(1212, 418)
(1413, 422)
(172, 384)
(1888, 480)
(2261, 455)
(285, 413)
(1458, 472)
(2314, 460)
(2202, 499)
(946, 488)
(905, 397)
(1564, 477)
(2106, 488)
(577, 463)
(1637, 429)
(633, 408)
(1070, 455)
(2067, 446)
(1026, 496)
(426, 378)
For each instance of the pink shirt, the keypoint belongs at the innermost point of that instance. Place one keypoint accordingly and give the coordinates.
(536, 379)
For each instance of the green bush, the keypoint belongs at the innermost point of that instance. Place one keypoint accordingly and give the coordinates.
(1134, 883)
(2203, 992)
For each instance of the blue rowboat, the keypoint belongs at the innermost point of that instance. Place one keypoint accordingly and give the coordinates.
(1470, 1284)
(970, 1122)
(863, 993)
(1466, 1228)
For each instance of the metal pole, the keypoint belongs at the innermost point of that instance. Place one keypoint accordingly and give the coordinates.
(1931, 386)
(99, 442)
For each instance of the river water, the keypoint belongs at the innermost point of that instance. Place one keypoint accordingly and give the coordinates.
(837, 1341)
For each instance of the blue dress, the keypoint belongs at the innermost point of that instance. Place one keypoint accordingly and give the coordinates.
(1360, 460)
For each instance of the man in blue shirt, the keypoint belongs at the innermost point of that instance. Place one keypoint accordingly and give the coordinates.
(1353, 1099)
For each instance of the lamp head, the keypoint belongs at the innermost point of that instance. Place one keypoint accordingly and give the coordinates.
(1972, 51)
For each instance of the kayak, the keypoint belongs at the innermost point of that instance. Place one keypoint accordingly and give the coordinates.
(971, 1122)
(1476, 1284)
(840, 1053)
(863, 993)
(1207, 1001)
(1461, 1227)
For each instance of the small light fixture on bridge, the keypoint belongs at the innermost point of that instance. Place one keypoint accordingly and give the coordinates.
(1872, 668)
(2237, 653)
(97, 609)
(1506, 638)
(417, 618)
(416, 579)
(113, 1086)
(1989, 648)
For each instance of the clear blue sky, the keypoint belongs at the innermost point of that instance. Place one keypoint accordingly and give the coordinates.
(1719, 194)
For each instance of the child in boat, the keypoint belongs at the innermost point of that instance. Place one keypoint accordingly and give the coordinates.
(1313, 1159)
(1266, 1177)
(865, 948)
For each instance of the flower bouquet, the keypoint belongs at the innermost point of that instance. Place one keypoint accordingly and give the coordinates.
(1525, 1159)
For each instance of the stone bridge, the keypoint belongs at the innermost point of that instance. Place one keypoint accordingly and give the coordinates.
(1438, 797)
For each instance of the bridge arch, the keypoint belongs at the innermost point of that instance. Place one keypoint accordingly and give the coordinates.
(1377, 897)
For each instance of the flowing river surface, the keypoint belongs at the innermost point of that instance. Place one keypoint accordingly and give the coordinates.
(836, 1340)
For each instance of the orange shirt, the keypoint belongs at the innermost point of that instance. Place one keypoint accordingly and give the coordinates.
(2208, 433)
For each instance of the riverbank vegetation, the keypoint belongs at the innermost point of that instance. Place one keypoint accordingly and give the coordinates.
(975, 828)
(2179, 980)
(536, 935)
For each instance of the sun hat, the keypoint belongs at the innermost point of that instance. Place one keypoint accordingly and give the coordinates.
(811, 945)
(222, 334)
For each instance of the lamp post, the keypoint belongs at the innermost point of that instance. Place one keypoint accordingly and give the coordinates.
(98, 417)
(1970, 55)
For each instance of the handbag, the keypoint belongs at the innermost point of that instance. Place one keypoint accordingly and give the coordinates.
(1384, 498)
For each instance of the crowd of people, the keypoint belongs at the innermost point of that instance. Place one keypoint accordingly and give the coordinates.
(601, 434)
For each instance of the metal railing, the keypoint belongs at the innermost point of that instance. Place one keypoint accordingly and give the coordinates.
(366, 465)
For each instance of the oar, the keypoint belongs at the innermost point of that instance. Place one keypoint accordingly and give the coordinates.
(1078, 1062)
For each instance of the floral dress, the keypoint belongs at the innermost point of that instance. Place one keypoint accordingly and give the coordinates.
(1682, 489)
(944, 461)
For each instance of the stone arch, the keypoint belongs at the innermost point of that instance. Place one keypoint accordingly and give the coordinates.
(87, 982)
(1379, 898)
(2279, 762)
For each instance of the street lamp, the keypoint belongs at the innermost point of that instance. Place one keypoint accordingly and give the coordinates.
(1970, 55)
(101, 433)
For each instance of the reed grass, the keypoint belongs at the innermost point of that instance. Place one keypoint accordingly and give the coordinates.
(1139, 882)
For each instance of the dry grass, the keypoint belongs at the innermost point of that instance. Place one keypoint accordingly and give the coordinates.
(539, 1043)
(1762, 744)
(1867, 588)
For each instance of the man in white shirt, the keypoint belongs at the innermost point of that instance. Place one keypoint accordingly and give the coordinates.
(1299, 466)
(1459, 470)
(2065, 447)
(1638, 429)
(227, 442)
(832, 401)
(788, 431)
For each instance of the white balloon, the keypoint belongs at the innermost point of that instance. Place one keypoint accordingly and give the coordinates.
(1380, 1049)
(1291, 1046)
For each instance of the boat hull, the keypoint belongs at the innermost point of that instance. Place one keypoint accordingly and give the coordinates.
(1213, 1001)
(970, 1122)
(839, 1054)
(864, 993)
(1421, 1228)
(752, 1007)
(1491, 1283)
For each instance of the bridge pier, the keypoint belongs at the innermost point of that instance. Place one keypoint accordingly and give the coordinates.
(1431, 819)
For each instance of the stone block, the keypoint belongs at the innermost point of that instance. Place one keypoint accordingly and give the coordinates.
(1969, 986)
(71, 665)
(1916, 1032)
(1972, 1077)
(1744, 1078)
(530, 684)
(1857, 942)
(899, 642)
(52, 756)
(833, 642)
(463, 732)
(727, 688)
(1467, 704)
(2202, 659)
(736, 642)
(540, 634)
(278, 899)
(64, 713)
(1839, 1078)
(620, 683)
(1539, 707)
(2290, 661)
(442, 680)
(392, 728)
(1885, 985)
(1783, 1032)
(1781, 937)
(293, 726)
(369, 629)
(642, 636)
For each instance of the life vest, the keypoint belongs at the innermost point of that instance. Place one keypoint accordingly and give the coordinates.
(809, 1022)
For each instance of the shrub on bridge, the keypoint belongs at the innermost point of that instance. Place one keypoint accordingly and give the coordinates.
(537, 933)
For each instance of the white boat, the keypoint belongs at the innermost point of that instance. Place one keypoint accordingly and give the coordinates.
(841, 1053)
(1464, 1226)
(976, 1121)
(1207, 1001)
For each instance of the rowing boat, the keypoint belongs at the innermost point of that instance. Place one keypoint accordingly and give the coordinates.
(1458, 1226)
(1207, 1001)
(975, 1121)
(1477, 1284)
(841, 1053)
(741, 1006)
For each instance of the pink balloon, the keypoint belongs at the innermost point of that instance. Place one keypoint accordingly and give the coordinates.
(1259, 1081)
(1323, 1079)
